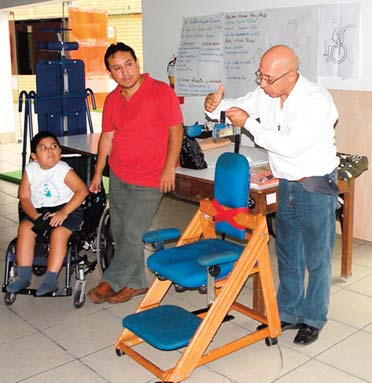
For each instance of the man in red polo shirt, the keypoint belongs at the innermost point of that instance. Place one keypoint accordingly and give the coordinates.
(141, 136)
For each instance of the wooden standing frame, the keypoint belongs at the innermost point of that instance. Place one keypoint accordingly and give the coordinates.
(253, 260)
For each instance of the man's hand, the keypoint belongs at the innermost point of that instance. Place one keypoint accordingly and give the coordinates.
(237, 116)
(213, 99)
(95, 184)
(167, 180)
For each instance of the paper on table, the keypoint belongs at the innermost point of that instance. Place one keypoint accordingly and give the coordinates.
(255, 156)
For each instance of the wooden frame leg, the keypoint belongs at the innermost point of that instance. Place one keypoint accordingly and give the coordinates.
(347, 231)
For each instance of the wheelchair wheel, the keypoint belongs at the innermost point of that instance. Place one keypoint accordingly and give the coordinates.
(9, 298)
(77, 302)
(105, 242)
(39, 270)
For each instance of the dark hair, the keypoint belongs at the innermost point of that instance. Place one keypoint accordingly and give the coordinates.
(119, 47)
(41, 135)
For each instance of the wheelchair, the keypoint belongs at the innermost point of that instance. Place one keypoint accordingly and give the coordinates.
(76, 262)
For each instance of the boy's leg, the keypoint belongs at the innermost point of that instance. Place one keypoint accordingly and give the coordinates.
(25, 255)
(25, 244)
(58, 249)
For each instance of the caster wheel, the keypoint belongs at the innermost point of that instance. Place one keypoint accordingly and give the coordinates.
(271, 341)
(9, 298)
(179, 289)
(39, 270)
(77, 302)
(119, 352)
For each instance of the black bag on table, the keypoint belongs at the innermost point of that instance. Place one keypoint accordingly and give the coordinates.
(191, 156)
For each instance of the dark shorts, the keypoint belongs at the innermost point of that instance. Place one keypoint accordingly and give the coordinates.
(73, 222)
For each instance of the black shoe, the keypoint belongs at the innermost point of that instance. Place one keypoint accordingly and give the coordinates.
(306, 335)
(284, 326)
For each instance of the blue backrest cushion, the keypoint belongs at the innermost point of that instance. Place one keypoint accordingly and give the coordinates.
(231, 187)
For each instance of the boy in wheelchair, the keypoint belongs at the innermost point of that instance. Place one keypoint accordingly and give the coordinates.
(50, 195)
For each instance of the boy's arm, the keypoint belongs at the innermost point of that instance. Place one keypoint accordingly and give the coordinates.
(77, 185)
(24, 195)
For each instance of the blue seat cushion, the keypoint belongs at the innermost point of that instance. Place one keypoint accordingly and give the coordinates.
(181, 265)
(165, 327)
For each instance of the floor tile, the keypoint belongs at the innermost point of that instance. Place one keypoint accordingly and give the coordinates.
(353, 355)
(12, 325)
(86, 334)
(74, 372)
(251, 363)
(362, 286)
(362, 255)
(28, 356)
(332, 333)
(117, 369)
(6, 222)
(350, 308)
(315, 372)
(358, 272)
(46, 312)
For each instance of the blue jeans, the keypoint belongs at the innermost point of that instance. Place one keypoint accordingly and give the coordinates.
(305, 229)
(132, 209)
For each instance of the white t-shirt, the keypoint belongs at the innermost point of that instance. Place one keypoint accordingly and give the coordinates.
(47, 186)
(300, 136)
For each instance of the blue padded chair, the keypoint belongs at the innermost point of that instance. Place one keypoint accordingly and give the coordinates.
(61, 99)
(221, 247)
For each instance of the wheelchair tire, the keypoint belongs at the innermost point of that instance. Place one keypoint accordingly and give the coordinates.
(77, 302)
(105, 242)
(9, 298)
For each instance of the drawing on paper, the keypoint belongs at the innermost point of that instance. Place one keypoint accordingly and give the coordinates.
(335, 49)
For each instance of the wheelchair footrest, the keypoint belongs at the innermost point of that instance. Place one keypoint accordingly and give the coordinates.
(165, 327)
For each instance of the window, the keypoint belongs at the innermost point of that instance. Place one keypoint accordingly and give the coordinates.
(29, 33)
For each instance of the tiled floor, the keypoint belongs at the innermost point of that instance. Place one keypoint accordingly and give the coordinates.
(48, 340)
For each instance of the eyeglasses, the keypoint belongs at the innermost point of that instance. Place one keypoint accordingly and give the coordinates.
(260, 77)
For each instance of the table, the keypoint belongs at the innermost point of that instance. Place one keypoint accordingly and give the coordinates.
(191, 185)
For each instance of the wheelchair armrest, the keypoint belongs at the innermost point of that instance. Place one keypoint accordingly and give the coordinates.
(161, 235)
(217, 258)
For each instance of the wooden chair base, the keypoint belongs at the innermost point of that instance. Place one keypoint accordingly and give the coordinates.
(255, 261)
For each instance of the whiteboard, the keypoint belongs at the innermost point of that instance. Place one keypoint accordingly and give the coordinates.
(200, 56)
(162, 26)
(227, 48)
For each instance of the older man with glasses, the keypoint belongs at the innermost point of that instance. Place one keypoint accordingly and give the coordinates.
(293, 119)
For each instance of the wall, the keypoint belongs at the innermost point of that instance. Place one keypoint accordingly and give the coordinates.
(162, 22)
(7, 126)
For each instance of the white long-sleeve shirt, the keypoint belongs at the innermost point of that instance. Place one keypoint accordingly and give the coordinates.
(299, 137)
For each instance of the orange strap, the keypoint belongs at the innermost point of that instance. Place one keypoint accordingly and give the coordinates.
(228, 215)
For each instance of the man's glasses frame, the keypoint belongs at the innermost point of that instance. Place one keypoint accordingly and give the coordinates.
(260, 77)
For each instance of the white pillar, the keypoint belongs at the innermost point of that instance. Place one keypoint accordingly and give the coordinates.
(7, 124)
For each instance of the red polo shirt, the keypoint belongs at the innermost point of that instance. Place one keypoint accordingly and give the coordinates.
(141, 126)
